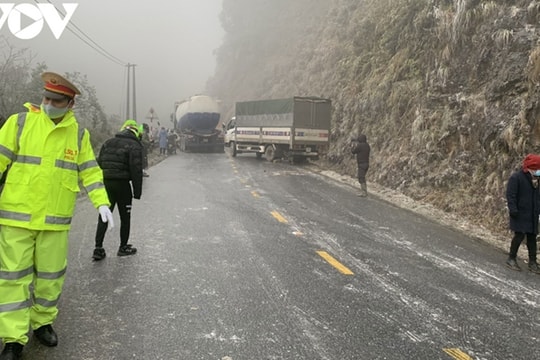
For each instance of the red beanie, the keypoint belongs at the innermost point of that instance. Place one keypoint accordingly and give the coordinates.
(531, 162)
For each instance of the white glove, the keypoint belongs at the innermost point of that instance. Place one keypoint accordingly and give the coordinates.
(106, 215)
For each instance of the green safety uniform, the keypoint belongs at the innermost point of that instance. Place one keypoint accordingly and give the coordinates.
(46, 162)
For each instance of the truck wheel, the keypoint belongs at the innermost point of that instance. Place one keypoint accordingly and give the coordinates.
(270, 153)
(233, 148)
(278, 154)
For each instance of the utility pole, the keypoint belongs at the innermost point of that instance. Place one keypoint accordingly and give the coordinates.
(130, 111)
(127, 97)
(134, 97)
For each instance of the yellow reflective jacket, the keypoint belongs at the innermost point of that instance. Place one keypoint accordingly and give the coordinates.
(47, 161)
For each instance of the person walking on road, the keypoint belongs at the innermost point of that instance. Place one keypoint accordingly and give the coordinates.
(523, 199)
(48, 153)
(163, 141)
(171, 142)
(361, 149)
(121, 159)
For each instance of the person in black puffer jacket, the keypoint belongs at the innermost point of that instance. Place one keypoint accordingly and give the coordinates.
(121, 159)
(361, 149)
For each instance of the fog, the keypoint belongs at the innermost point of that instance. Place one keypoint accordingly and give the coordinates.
(171, 42)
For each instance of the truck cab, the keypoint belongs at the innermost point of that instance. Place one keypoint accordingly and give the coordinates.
(228, 129)
(231, 141)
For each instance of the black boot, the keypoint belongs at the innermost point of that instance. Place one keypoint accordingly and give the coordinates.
(99, 254)
(46, 335)
(126, 250)
(512, 264)
(12, 351)
(533, 266)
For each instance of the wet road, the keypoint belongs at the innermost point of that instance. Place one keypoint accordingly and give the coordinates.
(242, 259)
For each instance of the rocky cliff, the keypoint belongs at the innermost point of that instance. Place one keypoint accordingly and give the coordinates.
(447, 91)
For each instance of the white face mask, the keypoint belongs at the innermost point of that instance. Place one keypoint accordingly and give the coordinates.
(54, 112)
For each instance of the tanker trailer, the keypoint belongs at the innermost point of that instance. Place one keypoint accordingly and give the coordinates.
(196, 122)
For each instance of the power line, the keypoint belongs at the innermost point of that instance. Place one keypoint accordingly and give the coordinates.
(106, 54)
(95, 45)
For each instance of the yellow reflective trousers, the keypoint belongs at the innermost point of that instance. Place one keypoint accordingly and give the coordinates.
(32, 268)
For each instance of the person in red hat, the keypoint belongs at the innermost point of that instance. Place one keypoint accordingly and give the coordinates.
(523, 199)
(47, 153)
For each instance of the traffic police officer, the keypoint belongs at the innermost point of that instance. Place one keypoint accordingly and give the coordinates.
(47, 153)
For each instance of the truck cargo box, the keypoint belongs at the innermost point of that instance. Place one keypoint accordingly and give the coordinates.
(308, 112)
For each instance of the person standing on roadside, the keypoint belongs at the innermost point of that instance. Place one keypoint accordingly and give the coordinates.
(523, 199)
(361, 149)
(163, 141)
(121, 159)
(48, 153)
(147, 146)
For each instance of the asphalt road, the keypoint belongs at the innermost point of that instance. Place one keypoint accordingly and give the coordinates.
(243, 259)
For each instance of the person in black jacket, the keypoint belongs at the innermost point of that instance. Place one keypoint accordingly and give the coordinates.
(121, 159)
(361, 149)
(523, 199)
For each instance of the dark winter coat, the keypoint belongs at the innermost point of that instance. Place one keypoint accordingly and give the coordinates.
(121, 158)
(361, 149)
(523, 203)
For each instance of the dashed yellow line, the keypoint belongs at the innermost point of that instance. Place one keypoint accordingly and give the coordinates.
(339, 266)
(279, 217)
(255, 194)
(457, 354)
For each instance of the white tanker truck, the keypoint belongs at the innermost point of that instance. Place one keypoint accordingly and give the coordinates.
(196, 121)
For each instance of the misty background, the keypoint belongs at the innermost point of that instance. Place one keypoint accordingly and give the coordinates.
(171, 42)
(447, 92)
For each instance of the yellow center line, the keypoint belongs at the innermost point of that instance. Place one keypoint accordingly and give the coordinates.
(279, 217)
(339, 266)
(457, 354)
(255, 194)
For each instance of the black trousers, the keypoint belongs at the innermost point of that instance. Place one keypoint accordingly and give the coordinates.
(362, 171)
(120, 193)
(531, 245)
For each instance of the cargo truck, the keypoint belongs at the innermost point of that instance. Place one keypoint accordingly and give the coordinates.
(196, 121)
(295, 128)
